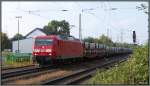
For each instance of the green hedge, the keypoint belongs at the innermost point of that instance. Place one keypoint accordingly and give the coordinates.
(133, 71)
(18, 57)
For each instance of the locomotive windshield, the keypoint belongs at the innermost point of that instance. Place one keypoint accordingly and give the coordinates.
(39, 42)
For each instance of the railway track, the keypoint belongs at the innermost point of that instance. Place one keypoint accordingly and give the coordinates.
(8, 70)
(81, 74)
(72, 78)
(27, 72)
(13, 68)
(18, 74)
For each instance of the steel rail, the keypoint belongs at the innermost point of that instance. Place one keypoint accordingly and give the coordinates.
(4, 71)
(11, 68)
(11, 79)
(22, 72)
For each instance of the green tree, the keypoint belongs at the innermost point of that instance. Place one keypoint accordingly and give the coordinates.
(102, 40)
(5, 42)
(127, 45)
(57, 27)
(105, 40)
(89, 39)
(17, 36)
(64, 27)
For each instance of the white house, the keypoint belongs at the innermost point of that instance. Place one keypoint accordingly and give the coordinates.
(25, 45)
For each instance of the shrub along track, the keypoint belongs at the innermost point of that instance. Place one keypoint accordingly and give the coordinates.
(71, 73)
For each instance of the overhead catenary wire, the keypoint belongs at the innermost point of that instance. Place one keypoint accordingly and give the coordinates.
(32, 12)
(106, 6)
(97, 17)
(101, 20)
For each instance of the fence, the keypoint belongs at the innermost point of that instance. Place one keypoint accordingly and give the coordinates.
(18, 57)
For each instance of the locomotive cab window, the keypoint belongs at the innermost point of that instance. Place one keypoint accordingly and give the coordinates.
(39, 42)
(70, 38)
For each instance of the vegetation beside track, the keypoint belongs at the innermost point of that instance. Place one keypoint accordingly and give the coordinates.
(16, 64)
(11, 60)
(133, 71)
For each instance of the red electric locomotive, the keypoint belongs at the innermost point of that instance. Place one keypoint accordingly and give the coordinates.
(53, 48)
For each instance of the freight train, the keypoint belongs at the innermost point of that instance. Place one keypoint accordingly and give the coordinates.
(55, 48)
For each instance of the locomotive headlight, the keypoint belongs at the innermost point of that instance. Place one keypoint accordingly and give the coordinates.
(48, 50)
(36, 50)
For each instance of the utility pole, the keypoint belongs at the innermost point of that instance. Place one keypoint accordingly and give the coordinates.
(149, 42)
(80, 34)
(117, 40)
(121, 36)
(108, 33)
(18, 17)
(80, 27)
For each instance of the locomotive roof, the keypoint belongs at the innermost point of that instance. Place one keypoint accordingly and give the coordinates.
(62, 37)
(49, 36)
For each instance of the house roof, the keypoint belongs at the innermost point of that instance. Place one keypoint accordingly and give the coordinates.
(35, 30)
(24, 37)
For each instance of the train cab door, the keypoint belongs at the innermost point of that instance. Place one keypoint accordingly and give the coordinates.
(59, 48)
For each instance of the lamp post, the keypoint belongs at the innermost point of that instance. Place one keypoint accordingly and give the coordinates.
(18, 17)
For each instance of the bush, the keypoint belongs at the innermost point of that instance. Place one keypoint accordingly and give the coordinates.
(133, 71)
(17, 59)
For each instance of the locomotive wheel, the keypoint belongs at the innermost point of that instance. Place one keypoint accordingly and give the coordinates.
(40, 61)
(74, 60)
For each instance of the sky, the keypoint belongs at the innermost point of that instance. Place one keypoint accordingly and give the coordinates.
(94, 23)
